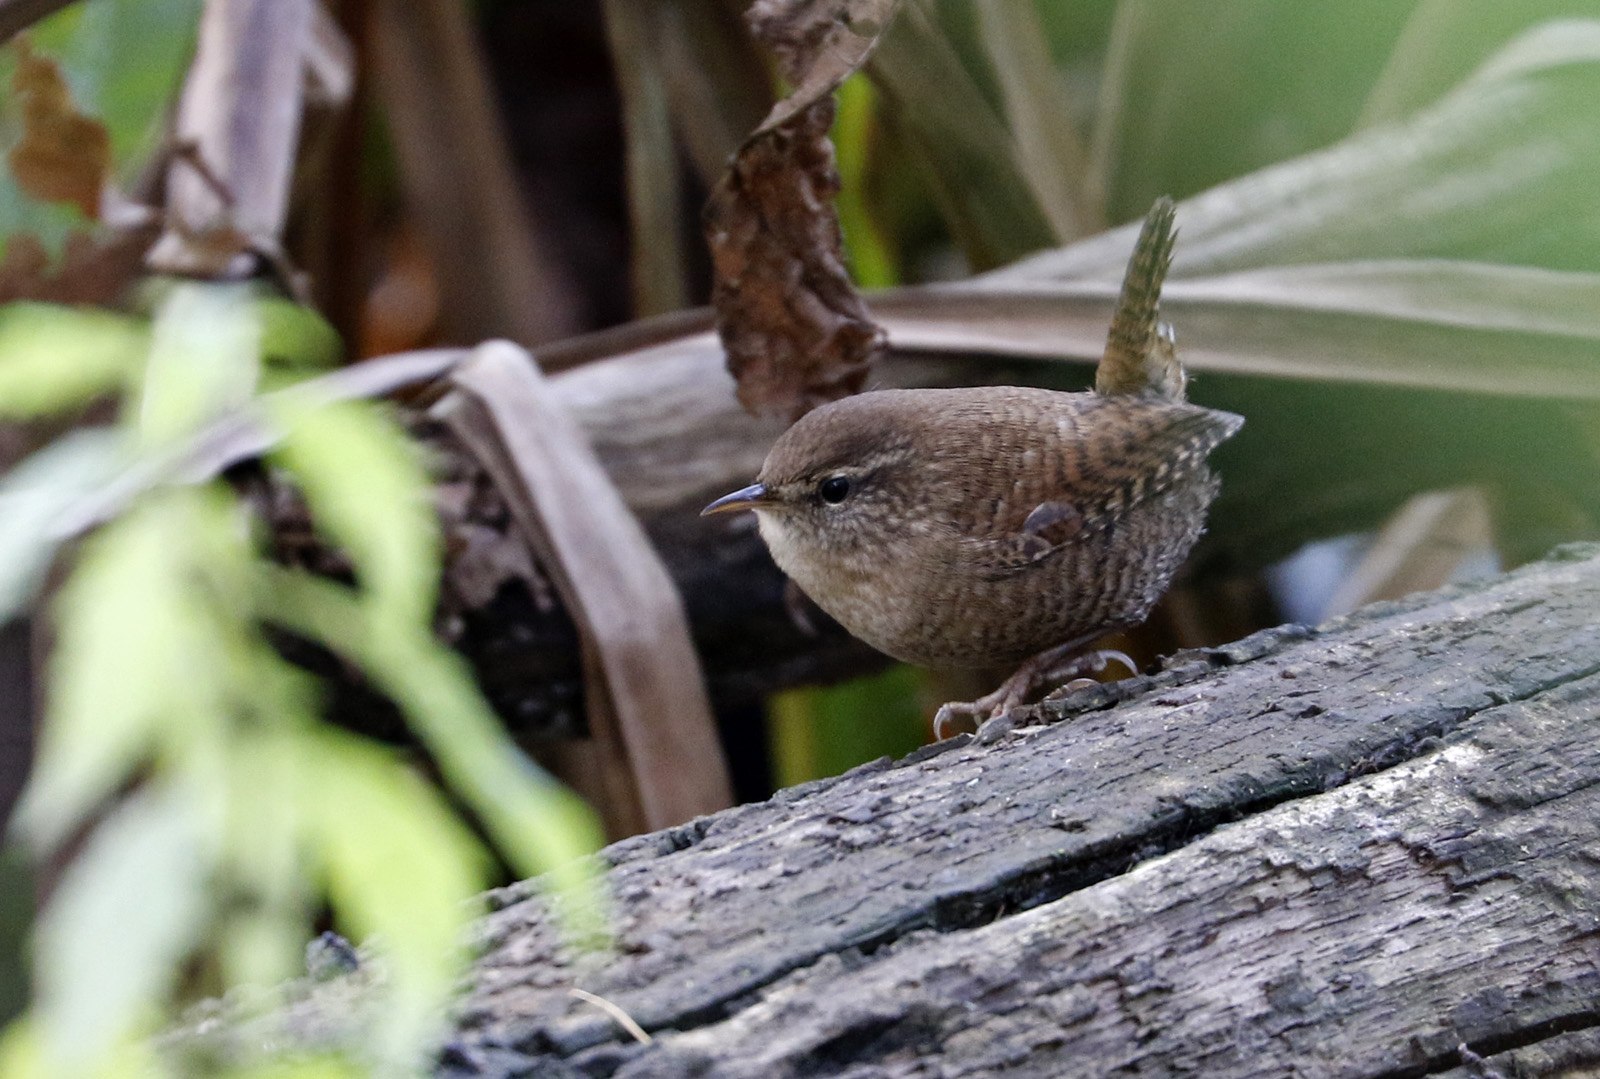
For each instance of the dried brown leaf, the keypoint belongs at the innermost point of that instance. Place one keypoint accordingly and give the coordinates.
(819, 43)
(63, 155)
(796, 331)
(90, 270)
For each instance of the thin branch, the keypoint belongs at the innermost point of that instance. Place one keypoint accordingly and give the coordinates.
(240, 113)
(623, 1019)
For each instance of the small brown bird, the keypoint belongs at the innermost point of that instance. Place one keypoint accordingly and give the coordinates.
(979, 527)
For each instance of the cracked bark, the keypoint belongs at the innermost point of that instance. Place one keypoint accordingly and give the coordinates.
(1369, 849)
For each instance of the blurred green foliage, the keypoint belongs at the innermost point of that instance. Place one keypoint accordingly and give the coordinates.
(208, 812)
(822, 732)
(189, 749)
(873, 262)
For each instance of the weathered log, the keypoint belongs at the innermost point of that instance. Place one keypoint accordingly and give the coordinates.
(1368, 849)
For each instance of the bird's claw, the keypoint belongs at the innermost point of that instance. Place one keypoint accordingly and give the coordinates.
(987, 711)
(954, 712)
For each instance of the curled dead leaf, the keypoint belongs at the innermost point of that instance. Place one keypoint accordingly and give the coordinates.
(819, 44)
(796, 331)
(63, 155)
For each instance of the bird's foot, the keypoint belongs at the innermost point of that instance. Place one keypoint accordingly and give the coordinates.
(1048, 667)
(989, 706)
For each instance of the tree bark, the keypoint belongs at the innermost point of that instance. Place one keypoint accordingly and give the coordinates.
(1368, 849)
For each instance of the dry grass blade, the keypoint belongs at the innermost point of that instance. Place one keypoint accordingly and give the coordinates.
(970, 158)
(1110, 115)
(654, 191)
(330, 62)
(229, 192)
(483, 236)
(644, 687)
(1049, 153)
(1452, 326)
(718, 85)
(624, 1020)
(1456, 326)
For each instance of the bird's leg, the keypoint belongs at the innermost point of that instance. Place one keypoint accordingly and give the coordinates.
(1052, 665)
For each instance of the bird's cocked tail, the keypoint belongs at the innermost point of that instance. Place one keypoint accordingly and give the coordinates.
(1141, 356)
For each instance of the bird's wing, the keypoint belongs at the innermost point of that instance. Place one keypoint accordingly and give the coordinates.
(1111, 478)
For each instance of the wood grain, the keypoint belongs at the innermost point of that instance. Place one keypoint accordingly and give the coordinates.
(1347, 851)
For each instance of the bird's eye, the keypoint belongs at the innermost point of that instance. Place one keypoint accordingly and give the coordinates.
(834, 489)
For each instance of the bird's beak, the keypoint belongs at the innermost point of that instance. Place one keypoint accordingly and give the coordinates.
(746, 498)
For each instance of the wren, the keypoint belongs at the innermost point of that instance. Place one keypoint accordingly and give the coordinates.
(979, 527)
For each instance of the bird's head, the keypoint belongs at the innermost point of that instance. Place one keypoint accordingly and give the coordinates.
(839, 482)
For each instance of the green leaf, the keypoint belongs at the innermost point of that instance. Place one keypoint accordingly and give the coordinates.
(135, 663)
(1188, 100)
(1500, 169)
(296, 340)
(20, 1056)
(205, 351)
(400, 867)
(1443, 40)
(542, 827)
(19, 1051)
(367, 490)
(128, 910)
(262, 942)
(321, 1067)
(872, 257)
(53, 358)
(36, 495)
